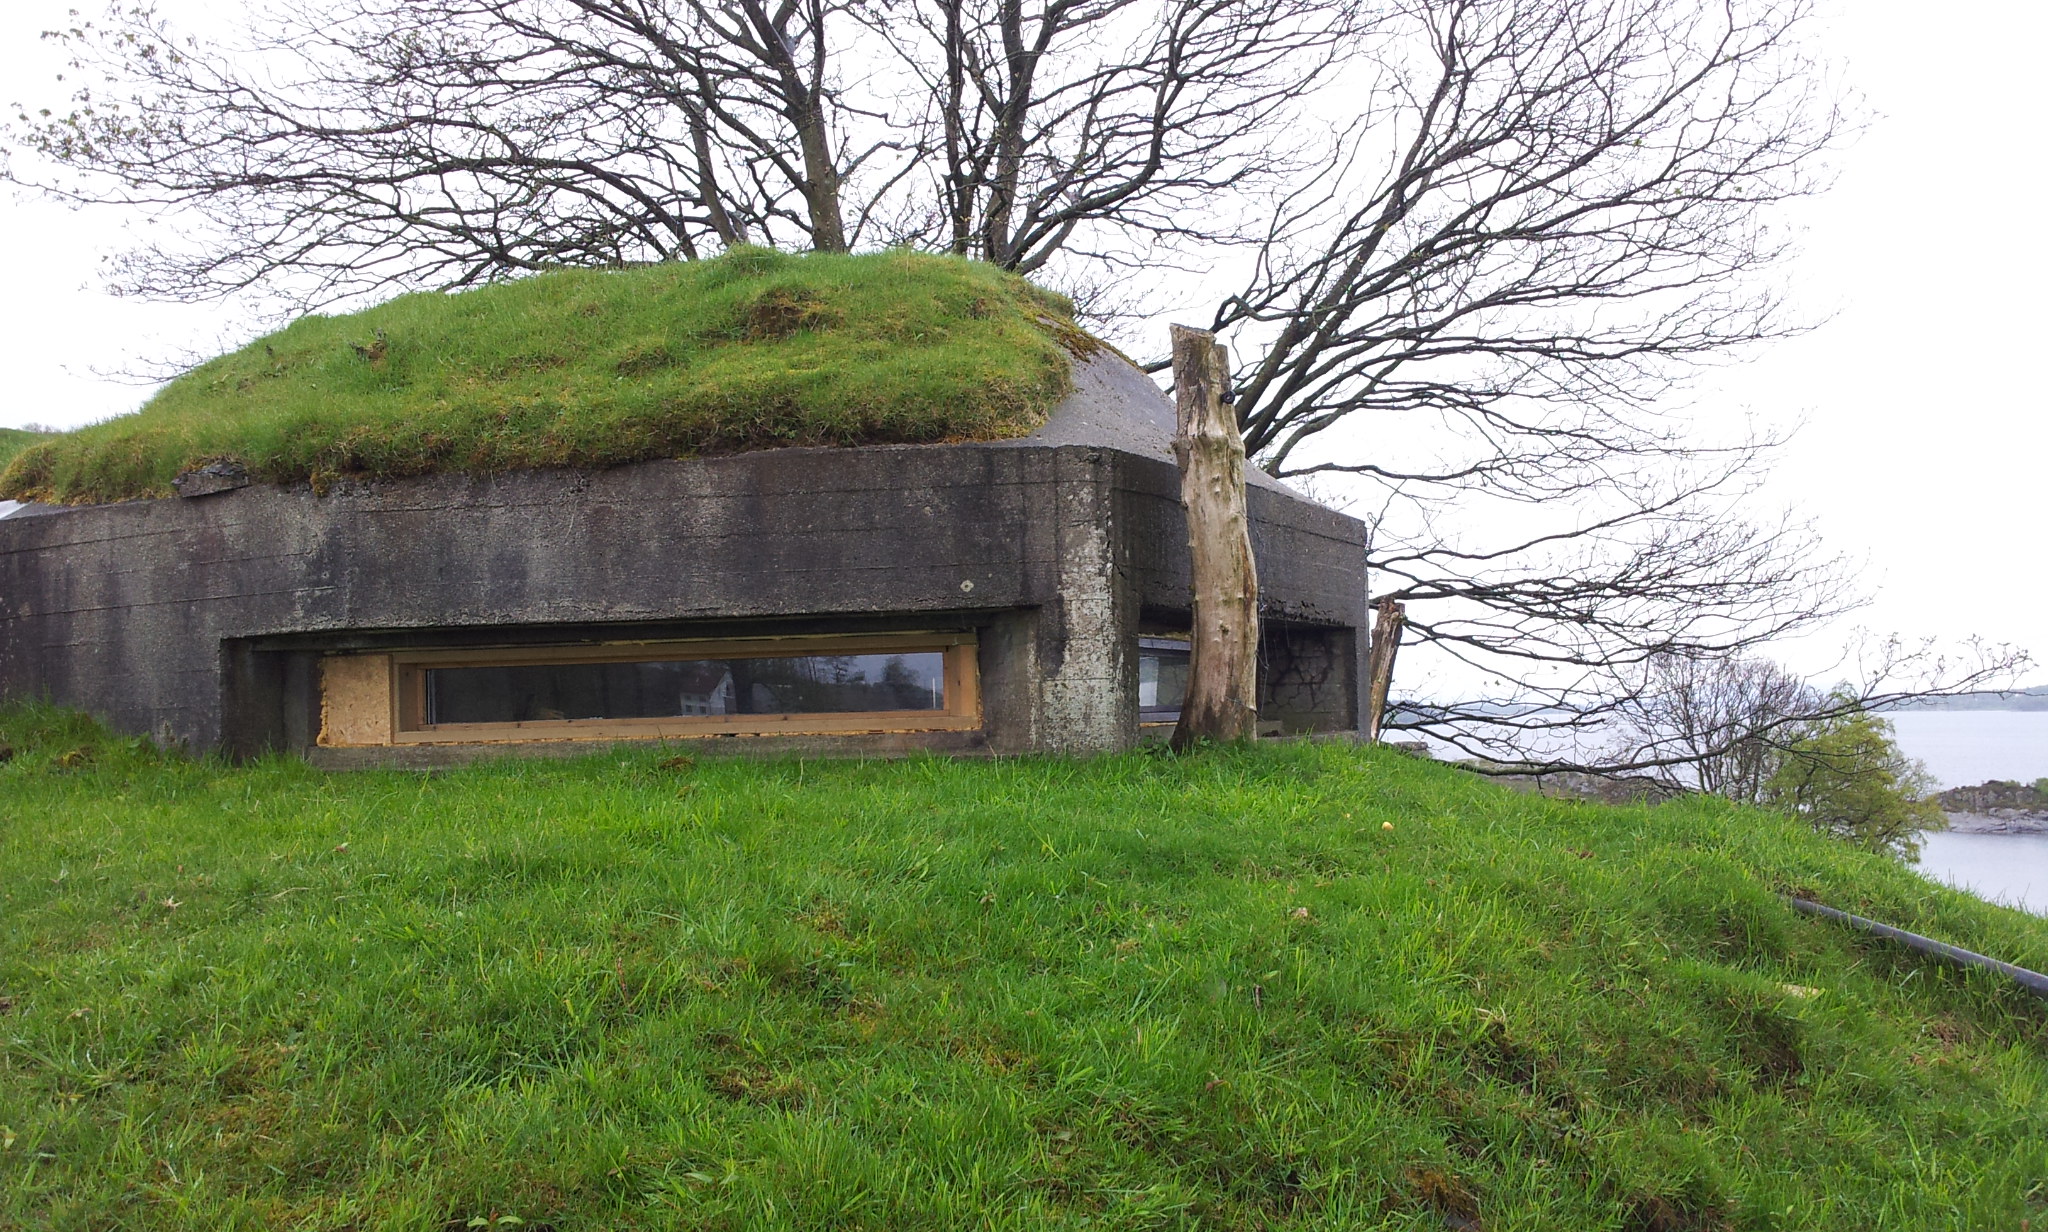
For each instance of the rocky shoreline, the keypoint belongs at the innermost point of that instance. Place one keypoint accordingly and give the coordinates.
(1998, 821)
(1997, 807)
(1988, 808)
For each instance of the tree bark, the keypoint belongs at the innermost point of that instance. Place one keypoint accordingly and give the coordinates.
(1386, 643)
(1222, 695)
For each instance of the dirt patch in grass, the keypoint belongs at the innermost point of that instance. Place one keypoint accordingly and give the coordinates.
(1661, 1214)
(780, 312)
(1451, 1198)
(757, 1084)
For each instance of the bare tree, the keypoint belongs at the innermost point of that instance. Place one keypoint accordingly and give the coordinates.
(1540, 219)
(1727, 724)
(346, 146)
(1089, 127)
(352, 145)
(1542, 203)
(1722, 724)
(1748, 730)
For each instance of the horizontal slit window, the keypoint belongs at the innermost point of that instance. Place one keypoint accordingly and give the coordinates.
(811, 685)
(680, 688)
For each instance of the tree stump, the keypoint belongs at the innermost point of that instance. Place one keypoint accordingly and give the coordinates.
(1386, 643)
(1223, 661)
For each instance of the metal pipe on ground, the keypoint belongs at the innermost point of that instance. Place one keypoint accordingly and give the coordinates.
(2033, 981)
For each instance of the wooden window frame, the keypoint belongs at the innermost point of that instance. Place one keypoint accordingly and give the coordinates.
(962, 681)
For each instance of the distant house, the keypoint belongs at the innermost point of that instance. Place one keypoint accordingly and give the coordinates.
(998, 596)
(707, 689)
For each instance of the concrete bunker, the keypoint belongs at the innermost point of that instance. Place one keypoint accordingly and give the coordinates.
(996, 596)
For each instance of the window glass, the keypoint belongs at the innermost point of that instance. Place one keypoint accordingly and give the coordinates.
(686, 688)
(1162, 678)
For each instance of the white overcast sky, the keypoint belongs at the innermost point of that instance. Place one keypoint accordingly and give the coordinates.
(1925, 447)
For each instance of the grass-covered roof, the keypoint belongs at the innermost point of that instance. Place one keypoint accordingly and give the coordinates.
(754, 349)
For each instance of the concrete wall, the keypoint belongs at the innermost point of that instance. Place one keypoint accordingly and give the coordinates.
(199, 620)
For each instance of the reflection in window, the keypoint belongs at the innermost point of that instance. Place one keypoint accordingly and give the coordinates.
(686, 688)
(1162, 678)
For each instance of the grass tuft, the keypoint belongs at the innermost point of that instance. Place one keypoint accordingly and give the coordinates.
(750, 350)
(14, 440)
(651, 990)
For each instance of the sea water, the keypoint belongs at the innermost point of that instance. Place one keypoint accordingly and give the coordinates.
(2005, 868)
(1962, 748)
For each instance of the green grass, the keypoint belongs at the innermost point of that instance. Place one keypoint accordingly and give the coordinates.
(597, 368)
(14, 440)
(1137, 992)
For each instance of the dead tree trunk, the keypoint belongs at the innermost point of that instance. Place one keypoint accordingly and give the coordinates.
(1386, 643)
(1223, 668)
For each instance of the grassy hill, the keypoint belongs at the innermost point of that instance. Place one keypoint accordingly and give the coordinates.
(597, 368)
(1216, 992)
(14, 440)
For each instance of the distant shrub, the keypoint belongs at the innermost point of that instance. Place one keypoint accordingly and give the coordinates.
(1849, 779)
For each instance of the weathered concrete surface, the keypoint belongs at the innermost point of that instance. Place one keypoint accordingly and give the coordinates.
(1116, 406)
(199, 621)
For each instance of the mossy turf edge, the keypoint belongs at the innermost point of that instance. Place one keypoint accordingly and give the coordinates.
(591, 368)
